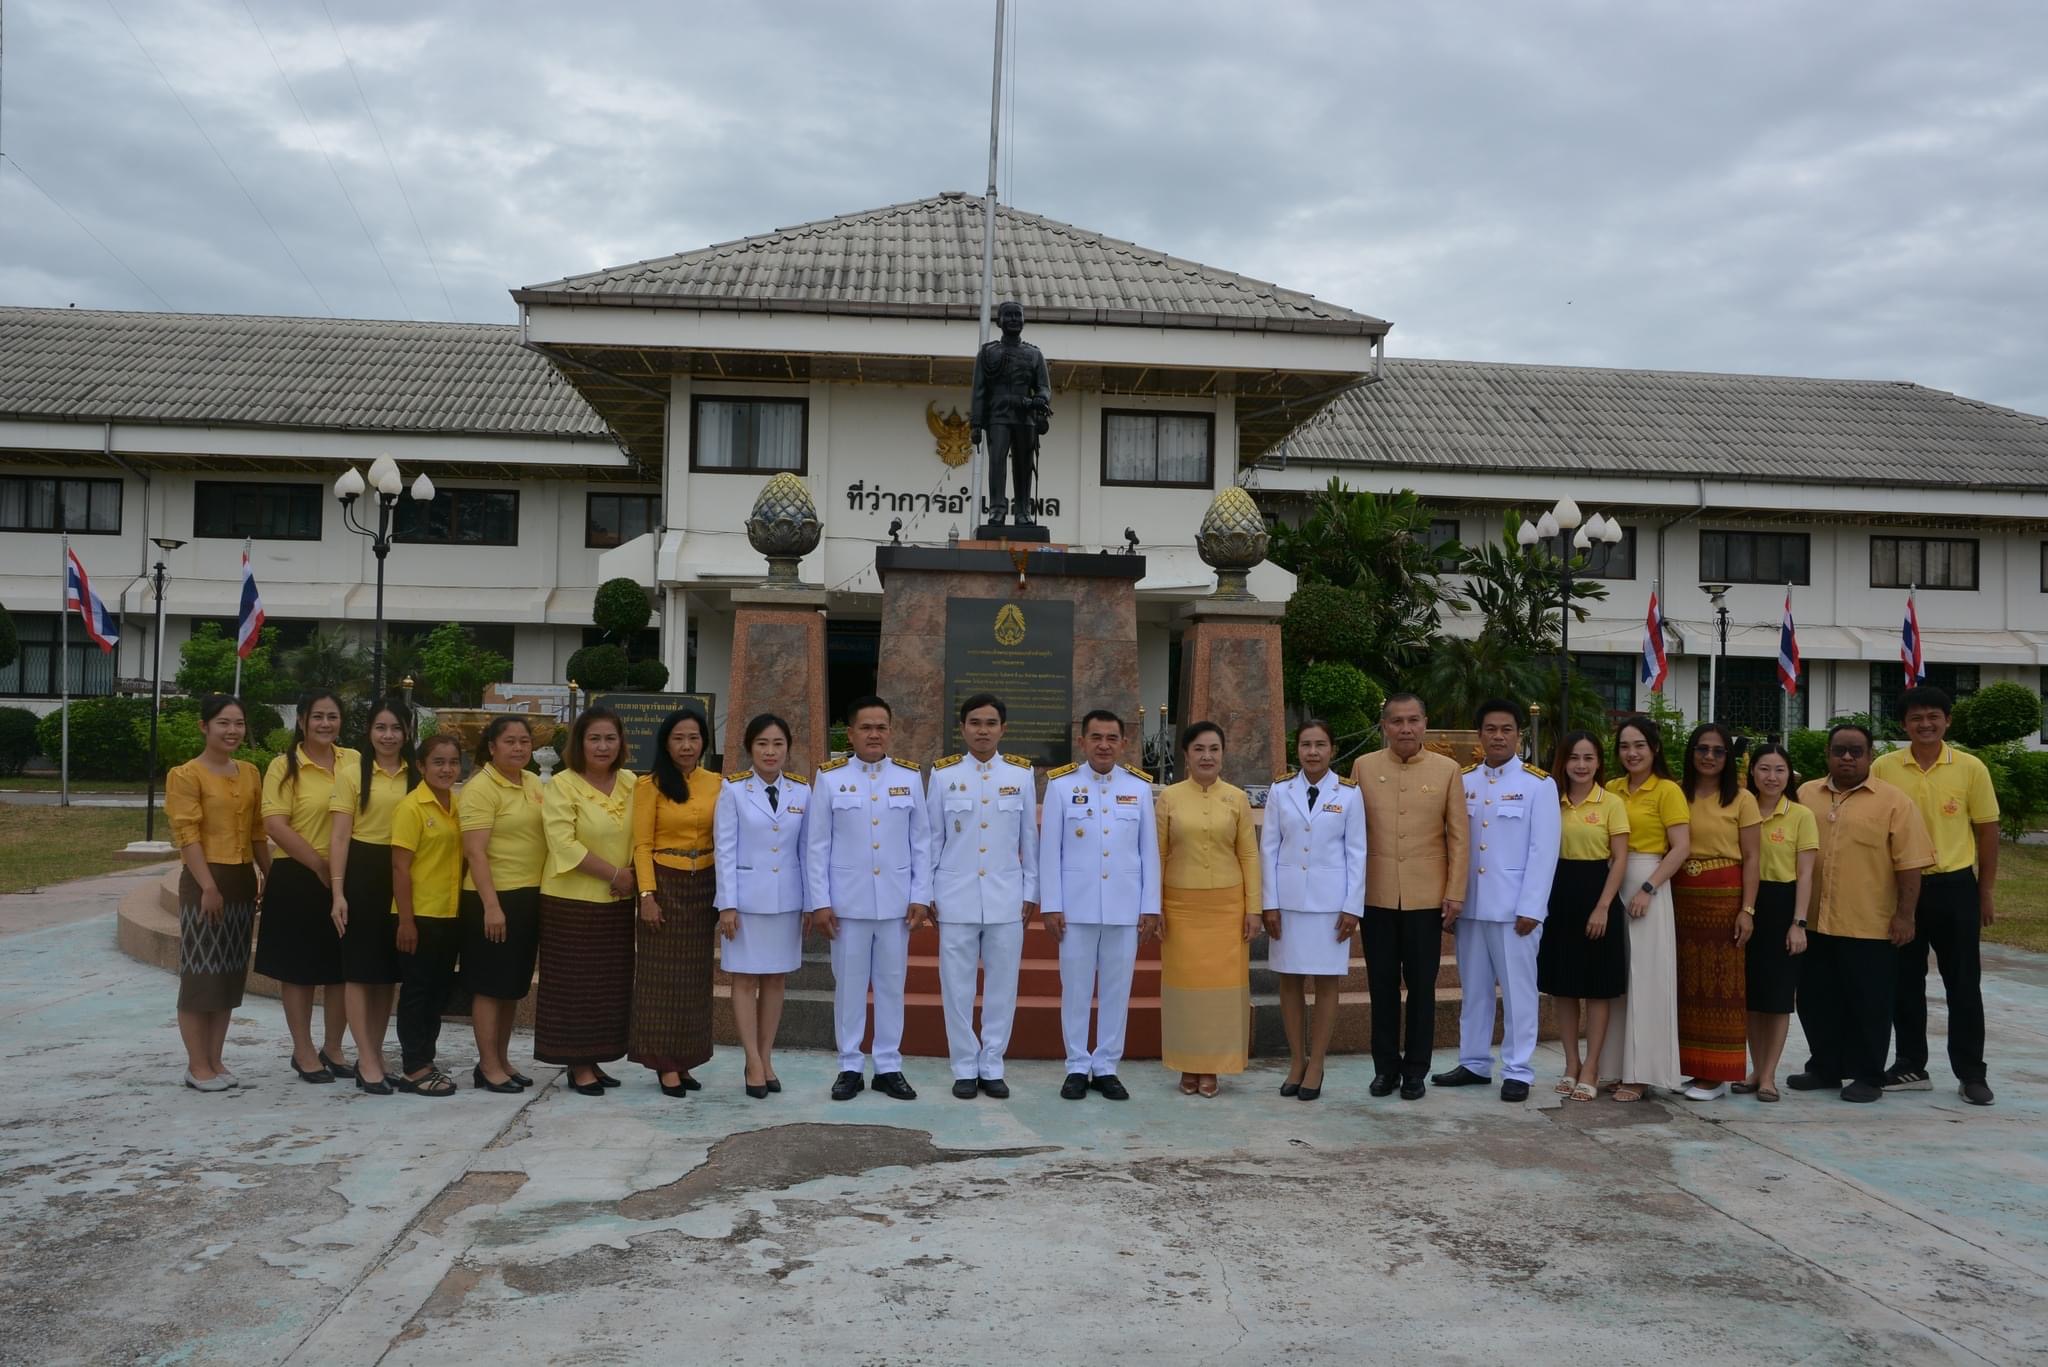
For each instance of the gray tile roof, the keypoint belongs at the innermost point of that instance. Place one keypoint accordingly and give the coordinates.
(923, 259)
(1487, 416)
(240, 370)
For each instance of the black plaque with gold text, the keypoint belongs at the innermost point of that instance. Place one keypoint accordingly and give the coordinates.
(1023, 652)
(643, 714)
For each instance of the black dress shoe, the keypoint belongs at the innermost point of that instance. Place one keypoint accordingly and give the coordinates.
(761, 1093)
(1812, 1082)
(1290, 1088)
(690, 1084)
(774, 1084)
(1308, 1094)
(604, 1079)
(1075, 1087)
(1862, 1091)
(678, 1090)
(1382, 1085)
(522, 1079)
(1511, 1090)
(895, 1086)
(1413, 1089)
(320, 1074)
(381, 1087)
(1110, 1086)
(847, 1086)
(594, 1087)
(1460, 1076)
(964, 1088)
(996, 1088)
(484, 1084)
(336, 1066)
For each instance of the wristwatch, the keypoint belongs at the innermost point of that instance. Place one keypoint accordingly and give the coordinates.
(1800, 924)
(1747, 911)
(1650, 888)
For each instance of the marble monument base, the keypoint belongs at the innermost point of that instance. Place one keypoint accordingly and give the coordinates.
(1230, 675)
(778, 665)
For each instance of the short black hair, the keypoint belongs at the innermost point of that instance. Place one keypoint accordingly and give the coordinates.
(863, 703)
(1194, 731)
(980, 700)
(1869, 740)
(760, 724)
(1313, 724)
(585, 720)
(1415, 698)
(1926, 695)
(1493, 705)
(497, 727)
(1094, 714)
(213, 704)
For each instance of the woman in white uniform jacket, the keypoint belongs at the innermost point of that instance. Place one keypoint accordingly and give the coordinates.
(757, 850)
(1312, 858)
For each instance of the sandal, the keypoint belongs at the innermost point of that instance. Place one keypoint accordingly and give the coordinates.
(435, 1083)
(1567, 1085)
(1628, 1092)
(1767, 1094)
(1743, 1088)
(1584, 1091)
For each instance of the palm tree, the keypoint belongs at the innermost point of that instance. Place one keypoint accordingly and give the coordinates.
(329, 659)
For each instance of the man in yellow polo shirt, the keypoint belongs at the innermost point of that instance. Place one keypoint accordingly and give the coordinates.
(1953, 792)
(1873, 846)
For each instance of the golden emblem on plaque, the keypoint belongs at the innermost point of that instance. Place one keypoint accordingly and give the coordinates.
(952, 434)
(1010, 625)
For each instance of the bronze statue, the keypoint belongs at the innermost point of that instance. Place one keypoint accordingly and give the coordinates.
(1012, 403)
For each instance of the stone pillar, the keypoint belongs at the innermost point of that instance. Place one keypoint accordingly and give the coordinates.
(778, 665)
(1230, 674)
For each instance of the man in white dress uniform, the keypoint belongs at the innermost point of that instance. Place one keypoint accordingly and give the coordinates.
(867, 859)
(1515, 825)
(1098, 874)
(984, 823)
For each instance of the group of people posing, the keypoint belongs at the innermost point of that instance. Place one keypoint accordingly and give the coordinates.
(1668, 918)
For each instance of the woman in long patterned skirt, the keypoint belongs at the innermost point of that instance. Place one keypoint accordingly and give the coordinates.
(672, 953)
(1715, 899)
(214, 804)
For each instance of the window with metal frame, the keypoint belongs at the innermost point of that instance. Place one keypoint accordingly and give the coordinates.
(460, 517)
(1750, 696)
(1926, 562)
(736, 435)
(1888, 681)
(1160, 449)
(614, 519)
(269, 512)
(34, 673)
(1755, 557)
(56, 503)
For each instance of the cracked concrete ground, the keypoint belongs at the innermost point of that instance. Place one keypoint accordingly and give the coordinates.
(289, 1223)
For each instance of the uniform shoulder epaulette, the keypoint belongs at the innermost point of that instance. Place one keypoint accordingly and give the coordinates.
(1285, 775)
(1020, 761)
(1063, 770)
(946, 763)
(909, 764)
(1469, 768)
(1136, 771)
(1343, 782)
(798, 779)
(1532, 769)
(739, 776)
(829, 765)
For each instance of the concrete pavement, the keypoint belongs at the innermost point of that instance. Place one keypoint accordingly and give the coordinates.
(290, 1223)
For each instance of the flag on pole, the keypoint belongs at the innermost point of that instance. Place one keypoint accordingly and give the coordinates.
(1656, 667)
(1788, 651)
(78, 593)
(249, 630)
(1909, 645)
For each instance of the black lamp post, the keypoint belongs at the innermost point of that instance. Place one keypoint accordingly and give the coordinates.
(159, 579)
(387, 485)
(1718, 595)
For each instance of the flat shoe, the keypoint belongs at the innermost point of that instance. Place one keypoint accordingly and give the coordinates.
(1767, 1094)
(604, 1079)
(216, 1083)
(1742, 1088)
(1584, 1091)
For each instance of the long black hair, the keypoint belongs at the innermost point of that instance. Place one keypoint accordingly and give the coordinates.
(1728, 786)
(670, 779)
(1565, 745)
(1771, 747)
(1652, 735)
(306, 704)
(403, 714)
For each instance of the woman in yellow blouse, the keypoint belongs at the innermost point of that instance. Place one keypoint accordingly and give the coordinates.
(1787, 841)
(1209, 886)
(585, 1010)
(426, 895)
(1642, 1029)
(1714, 897)
(297, 943)
(1584, 954)
(361, 855)
(214, 804)
(503, 852)
(672, 951)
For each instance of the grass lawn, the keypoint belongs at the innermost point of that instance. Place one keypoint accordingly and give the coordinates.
(2022, 898)
(44, 845)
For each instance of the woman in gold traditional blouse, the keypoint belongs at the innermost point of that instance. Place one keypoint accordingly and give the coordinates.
(1209, 881)
(672, 954)
(214, 804)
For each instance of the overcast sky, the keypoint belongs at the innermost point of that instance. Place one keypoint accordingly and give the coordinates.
(1849, 189)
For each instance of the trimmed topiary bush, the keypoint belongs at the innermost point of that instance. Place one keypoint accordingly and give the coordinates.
(1995, 714)
(600, 668)
(620, 608)
(17, 739)
(649, 676)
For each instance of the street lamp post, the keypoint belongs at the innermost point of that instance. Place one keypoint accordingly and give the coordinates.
(1717, 663)
(388, 485)
(1564, 523)
(159, 579)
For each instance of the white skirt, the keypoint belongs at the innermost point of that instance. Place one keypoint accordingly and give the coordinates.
(764, 943)
(1642, 1036)
(1308, 944)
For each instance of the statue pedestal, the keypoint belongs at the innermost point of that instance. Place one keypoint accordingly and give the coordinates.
(1230, 674)
(1007, 531)
(778, 665)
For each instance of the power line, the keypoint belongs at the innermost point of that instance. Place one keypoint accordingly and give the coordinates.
(347, 198)
(432, 264)
(15, 162)
(203, 137)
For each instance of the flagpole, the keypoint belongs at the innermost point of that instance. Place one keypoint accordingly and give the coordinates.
(1785, 702)
(247, 542)
(975, 458)
(64, 672)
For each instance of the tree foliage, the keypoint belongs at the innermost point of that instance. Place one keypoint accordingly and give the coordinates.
(647, 676)
(17, 739)
(328, 659)
(1376, 549)
(1996, 714)
(206, 664)
(620, 608)
(455, 669)
(103, 743)
(599, 668)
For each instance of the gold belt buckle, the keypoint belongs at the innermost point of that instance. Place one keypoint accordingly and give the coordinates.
(1694, 868)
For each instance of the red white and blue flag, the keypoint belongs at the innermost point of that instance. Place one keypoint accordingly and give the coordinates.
(1788, 652)
(249, 630)
(1910, 655)
(99, 623)
(1656, 666)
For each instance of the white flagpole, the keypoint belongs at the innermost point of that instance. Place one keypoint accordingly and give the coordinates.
(247, 542)
(1785, 700)
(975, 460)
(64, 672)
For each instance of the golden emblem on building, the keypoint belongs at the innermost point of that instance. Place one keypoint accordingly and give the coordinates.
(952, 434)
(1010, 625)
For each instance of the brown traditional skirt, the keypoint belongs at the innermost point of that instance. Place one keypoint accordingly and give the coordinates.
(1713, 1039)
(585, 998)
(213, 956)
(672, 973)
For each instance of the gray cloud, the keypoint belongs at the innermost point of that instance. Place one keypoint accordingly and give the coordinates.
(1847, 189)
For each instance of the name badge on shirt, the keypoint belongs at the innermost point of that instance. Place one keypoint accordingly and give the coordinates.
(1126, 799)
(1333, 806)
(795, 809)
(1011, 791)
(1512, 797)
(899, 792)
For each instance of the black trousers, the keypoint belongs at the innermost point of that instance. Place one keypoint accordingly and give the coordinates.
(1011, 449)
(1402, 948)
(1845, 1006)
(1947, 923)
(427, 977)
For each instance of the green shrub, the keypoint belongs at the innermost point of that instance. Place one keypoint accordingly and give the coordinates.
(1995, 714)
(277, 740)
(257, 756)
(1344, 696)
(455, 669)
(1323, 622)
(2019, 777)
(17, 739)
(178, 734)
(648, 676)
(599, 668)
(103, 743)
(620, 608)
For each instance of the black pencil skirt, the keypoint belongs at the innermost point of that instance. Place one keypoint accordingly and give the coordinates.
(501, 968)
(369, 947)
(296, 941)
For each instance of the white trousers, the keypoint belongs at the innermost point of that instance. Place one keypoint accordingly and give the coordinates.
(1095, 966)
(1490, 952)
(870, 955)
(995, 951)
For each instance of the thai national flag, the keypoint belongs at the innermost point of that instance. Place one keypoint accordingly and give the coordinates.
(250, 629)
(99, 623)
(1909, 646)
(1656, 667)
(1788, 652)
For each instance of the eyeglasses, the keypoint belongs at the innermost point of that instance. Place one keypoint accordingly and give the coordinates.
(1845, 751)
(1710, 751)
